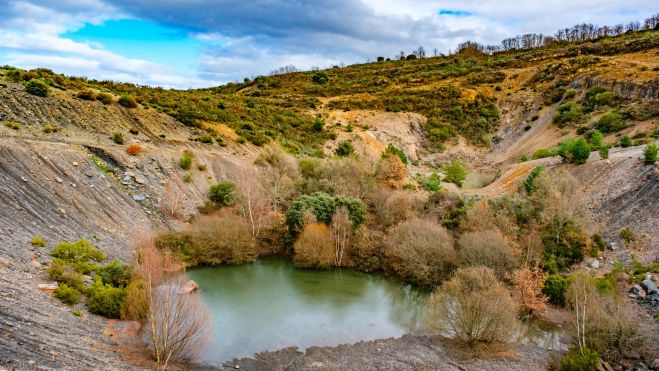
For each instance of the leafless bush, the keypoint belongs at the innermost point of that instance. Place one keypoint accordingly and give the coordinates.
(315, 247)
(479, 217)
(474, 305)
(488, 248)
(392, 207)
(346, 177)
(223, 237)
(280, 173)
(253, 202)
(171, 202)
(420, 251)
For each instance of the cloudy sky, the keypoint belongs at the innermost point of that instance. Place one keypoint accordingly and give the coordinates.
(197, 43)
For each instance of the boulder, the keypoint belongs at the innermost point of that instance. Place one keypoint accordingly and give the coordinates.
(189, 287)
(649, 286)
(139, 198)
(637, 290)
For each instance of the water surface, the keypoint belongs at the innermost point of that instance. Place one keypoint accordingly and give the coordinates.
(270, 305)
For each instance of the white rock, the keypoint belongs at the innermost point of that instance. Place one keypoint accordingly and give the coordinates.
(189, 287)
(74, 163)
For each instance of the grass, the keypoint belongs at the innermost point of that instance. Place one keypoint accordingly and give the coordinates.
(101, 165)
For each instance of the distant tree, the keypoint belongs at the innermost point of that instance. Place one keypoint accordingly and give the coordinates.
(380, 59)
(223, 193)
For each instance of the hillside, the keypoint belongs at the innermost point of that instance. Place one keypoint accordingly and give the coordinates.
(65, 176)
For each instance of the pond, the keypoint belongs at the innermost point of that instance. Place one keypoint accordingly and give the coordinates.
(270, 304)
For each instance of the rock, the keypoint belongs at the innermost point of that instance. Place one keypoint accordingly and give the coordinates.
(35, 264)
(87, 279)
(236, 367)
(649, 286)
(655, 364)
(593, 263)
(189, 287)
(129, 174)
(139, 198)
(637, 291)
(74, 163)
(89, 175)
(58, 179)
(24, 179)
(140, 180)
(48, 287)
(613, 246)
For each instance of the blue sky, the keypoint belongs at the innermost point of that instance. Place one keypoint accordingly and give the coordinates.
(201, 43)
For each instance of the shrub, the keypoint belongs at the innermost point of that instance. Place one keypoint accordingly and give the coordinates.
(604, 152)
(650, 154)
(318, 124)
(105, 300)
(392, 207)
(610, 122)
(221, 238)
(105, 98)
(38, 241)
(431, 183)
(596, 139)
(627, 234)
(576, 360)
(391, 150)
(67, 295)
(344, 149)
(455, 173)
(554, 287)
(187, 178)
(222, 194)
(80, 251)
(319, 78)
(87, 94)
(569, 94)
(134, 131)
(625, 141)
(315, 247)
(568, 113)
(323, 207)
(487, 248)
(61, 272)
(50, 128)
(564, 246)
(77, 313)
(118, 138)
(474, 305)
(115, 273)
(528, 284)
(128, 101)
(420, 251)
(529, 182)
(135, 306)
(542, 153)
(37, 87)
(391, 171)
(134, 149)
(13, 125)
(185, 162)
(575, 151)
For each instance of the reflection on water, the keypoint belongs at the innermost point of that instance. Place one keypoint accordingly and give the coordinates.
(478, 179)
(270, 305)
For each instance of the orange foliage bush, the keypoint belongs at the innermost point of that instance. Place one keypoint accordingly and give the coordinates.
(134, 149)
(528, 283)
(315, 247)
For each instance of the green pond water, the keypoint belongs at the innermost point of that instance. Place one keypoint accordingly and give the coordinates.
(270, 305)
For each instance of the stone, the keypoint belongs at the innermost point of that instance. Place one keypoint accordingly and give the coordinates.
(74, 185)
(139, 198)
(74, 163)
(189, 287)
(87, 279)
(140, 180)
(649, 286)
(48, 287)
(58, 179)
(637, 290)
(35, 264)
(129, 174)
(24, 179)
(593, 263)
(89, 175)
(236, 367)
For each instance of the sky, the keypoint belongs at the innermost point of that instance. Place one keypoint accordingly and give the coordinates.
(201, 43)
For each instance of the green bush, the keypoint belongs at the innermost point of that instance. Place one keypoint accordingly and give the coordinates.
(610, 122)
(37, 87)
(128, 101)
(574, 151)
(650, 154)
(431, 183)
(529, 182)
(87, 94)
(625, 141)
(105, 98)
(574, 360)
(345, 149)
(564, 246)
(455, 173)
(569, 94)
(320, 78)
(318, 124)
(67, 295)
(222, 193)
(115, 273)
(392, 150)
(604, 152)
(61, 272)
(38, 241)
(118, 138)
(323, 207)
(542, 153)
(626, 234)
(74, 252)
(185, 161)
(105, 300)
(554, 288)
(596, 139)
(568, 113)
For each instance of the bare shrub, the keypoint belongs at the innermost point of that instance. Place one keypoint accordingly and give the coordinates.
(528, 283)
(223, 237)
(346, 177)
(280, 173)
(392, 207)
(367, 249)
(479, 217)
(474, 305)
(391, 171)
(488, 248)
(253, 202)
(420, 251)
(171, 202)
(176, 326)
(559, 197)
(315, 247)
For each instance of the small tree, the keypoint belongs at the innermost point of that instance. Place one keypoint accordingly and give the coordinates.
(625, 141)
(37, 87)
(455, 173)
(473, 304)
(650, 154)
(345, 149)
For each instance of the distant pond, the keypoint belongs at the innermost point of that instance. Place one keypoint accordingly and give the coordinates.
(271, 304)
